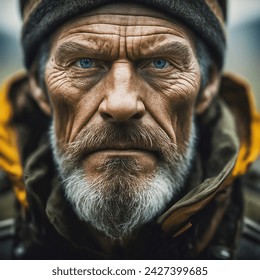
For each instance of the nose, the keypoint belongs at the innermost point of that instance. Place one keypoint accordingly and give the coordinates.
(122, 98)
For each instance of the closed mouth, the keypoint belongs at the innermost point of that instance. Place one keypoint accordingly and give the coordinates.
(120, 150)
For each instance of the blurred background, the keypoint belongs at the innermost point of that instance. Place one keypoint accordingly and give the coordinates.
(243, 55)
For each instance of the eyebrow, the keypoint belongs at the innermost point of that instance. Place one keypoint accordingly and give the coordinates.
(71, 49)
(174, 49)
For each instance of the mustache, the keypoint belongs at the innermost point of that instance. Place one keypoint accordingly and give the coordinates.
(121, 136)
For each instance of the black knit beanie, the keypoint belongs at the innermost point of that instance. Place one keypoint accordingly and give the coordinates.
(206, 18)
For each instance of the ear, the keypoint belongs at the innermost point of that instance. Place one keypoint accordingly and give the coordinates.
(209, 92)
(38, 93)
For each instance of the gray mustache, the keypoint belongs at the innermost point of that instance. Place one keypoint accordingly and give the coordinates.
(121, 136)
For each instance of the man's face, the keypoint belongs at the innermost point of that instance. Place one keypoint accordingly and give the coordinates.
(122, 81)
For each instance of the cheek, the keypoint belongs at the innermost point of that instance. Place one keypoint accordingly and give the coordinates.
(183, 127)
(181, 96)
(170, 101)
(73, 106)
(62, 101)
(60, 87)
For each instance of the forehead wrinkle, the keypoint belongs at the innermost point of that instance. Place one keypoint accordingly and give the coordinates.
(130, 30)
(116, 20)
(125, 20)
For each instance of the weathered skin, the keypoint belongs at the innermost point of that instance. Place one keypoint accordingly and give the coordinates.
(123, 85)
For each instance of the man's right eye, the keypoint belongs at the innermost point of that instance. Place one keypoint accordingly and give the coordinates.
(160, 63)
(85, 63)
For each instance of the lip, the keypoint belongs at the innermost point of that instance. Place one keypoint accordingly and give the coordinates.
(145, 160)
(123, 152)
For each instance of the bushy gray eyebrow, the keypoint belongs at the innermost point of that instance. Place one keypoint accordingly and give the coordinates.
(173, 49)
(70, 49)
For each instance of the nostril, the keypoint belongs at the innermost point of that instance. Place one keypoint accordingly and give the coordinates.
(137, 115)
(121, 108)
(105, 116)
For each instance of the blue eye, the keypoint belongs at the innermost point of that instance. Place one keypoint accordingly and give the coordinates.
(85, 63)
(160, 63)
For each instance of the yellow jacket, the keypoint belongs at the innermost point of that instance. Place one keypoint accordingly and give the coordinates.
(9, 154)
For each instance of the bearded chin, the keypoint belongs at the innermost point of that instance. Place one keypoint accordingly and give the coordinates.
(120, 200)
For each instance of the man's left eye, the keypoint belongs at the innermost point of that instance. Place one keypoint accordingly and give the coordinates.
(85, 63)
(160, 63)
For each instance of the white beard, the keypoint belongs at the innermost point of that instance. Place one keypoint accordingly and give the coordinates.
(118, 204)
